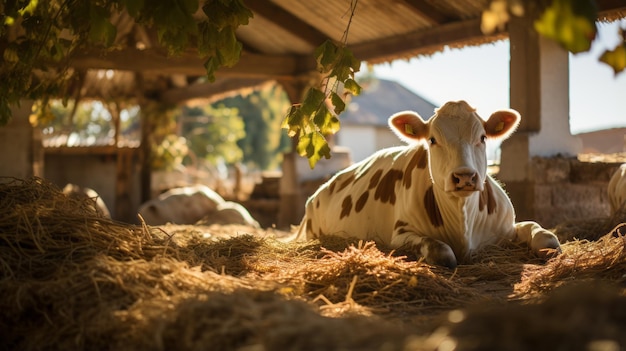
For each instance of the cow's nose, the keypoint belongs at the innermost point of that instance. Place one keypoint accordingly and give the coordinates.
(464, 179)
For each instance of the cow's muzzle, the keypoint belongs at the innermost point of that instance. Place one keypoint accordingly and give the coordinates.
(465, 179)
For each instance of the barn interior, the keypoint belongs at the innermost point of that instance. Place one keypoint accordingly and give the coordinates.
(74, 280)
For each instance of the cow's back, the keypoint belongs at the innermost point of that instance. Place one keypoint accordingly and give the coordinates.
(617, 189)
(363, 200)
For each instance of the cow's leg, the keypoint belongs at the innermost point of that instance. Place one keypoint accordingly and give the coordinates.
(541, 241)
(434, 251)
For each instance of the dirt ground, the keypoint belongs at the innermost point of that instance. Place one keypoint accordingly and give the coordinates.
(72, 280)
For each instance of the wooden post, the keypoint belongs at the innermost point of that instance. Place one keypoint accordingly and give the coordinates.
(291, 208)
(22, 155)
(144, 154)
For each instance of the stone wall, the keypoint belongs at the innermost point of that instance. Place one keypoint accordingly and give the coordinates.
(567, 189)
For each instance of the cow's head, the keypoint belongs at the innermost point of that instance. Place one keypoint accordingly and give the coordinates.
(456, 142)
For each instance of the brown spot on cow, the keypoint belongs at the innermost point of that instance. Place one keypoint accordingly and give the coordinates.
(360, 203)
(419, 160)
(375, 179)
(399, 224)
(346, 182)
(331, 188)
(346, 207)
(385, 191)
(432, 208)
(317, 203)
(487, 198)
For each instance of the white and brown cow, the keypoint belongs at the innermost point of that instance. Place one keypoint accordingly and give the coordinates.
(617, 190)
(433, 195)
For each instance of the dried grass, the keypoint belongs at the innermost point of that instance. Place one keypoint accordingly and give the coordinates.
(73, 280)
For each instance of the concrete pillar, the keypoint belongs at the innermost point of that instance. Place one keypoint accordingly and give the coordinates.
(22, 155)
(540, 92)
(291, 207)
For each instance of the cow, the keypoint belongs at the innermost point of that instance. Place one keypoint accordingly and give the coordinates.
(617, 190)
(432, 196)
(190, 204)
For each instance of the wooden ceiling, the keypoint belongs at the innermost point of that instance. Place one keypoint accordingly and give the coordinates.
(280, 40)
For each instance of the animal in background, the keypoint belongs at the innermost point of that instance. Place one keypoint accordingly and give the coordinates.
(617, 190)
(433, 195)
(188, 205)
(82, 193)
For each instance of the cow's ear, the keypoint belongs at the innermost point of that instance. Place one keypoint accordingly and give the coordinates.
(409, 126)
(501, 124)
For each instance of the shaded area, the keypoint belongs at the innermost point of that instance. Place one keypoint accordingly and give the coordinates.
(73, 280)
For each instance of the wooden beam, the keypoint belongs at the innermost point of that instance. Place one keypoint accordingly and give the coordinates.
(208, 90)
(424, 40)
(611, 5)
(151, 61)
(428, 12)
(287, 21)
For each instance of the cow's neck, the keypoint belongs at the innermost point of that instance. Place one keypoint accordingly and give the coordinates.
(458, 214)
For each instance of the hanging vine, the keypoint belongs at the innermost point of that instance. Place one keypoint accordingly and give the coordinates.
(313, 119)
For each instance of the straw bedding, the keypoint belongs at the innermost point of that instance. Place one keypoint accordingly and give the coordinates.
(73, 280)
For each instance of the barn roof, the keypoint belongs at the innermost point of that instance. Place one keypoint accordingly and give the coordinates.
(380, 99)
(279, 43)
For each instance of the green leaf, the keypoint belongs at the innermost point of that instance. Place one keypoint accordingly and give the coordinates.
(349, 60)
(101, 30)
(615, 58)
(340, 106)
(189, 6)
(211, 65)
(326, 121)
(228, 47)
(134, 7)
(352, 86)
(313, 99)
(326, 55)
(571, 23)
(207, 38)
(223, 14)
(241, 13)
(294, 121)
(30, 8)
(313, 146)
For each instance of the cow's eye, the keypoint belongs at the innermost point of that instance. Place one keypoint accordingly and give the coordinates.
(433, 141)
(483, 138)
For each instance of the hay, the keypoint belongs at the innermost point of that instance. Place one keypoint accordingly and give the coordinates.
(71, 279)
(589, 229)
(602, 260)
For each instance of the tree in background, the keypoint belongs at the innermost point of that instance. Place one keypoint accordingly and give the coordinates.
(262, 112)
(85, 122)
(212, 133)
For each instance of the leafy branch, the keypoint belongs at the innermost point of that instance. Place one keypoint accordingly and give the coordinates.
(313, 119)
(570, 23)
(36, 62)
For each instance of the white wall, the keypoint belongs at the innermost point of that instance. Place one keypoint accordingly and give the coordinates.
(361, 140)
(365, 140)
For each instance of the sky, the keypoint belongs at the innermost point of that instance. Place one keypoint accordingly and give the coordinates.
(480, 75)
